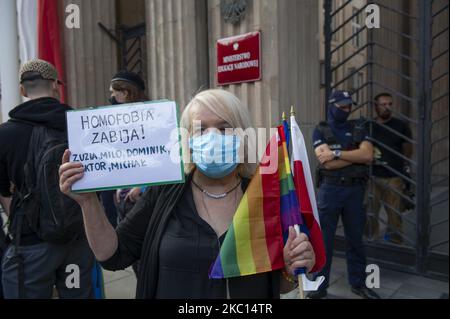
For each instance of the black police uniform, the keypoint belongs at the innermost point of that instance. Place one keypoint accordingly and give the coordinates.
(341, 193)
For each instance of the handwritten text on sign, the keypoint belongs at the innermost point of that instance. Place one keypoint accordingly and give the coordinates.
(127, 145)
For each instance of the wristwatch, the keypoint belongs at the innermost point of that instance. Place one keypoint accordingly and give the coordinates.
(337, 154)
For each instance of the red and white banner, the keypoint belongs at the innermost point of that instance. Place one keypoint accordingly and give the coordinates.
(27, 28)
(306, 193)
(40, 33)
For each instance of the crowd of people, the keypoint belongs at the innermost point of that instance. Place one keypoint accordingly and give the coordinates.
(172, 234)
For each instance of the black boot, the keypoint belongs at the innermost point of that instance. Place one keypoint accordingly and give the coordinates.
(365, 293)
(319, 294)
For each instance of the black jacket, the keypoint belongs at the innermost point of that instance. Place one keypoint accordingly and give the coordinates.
(15, 136)
(140, 234)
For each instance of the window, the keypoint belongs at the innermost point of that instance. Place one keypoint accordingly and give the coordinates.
(334, 78)
(334, 19)
(356, 27)
(355, 83)
(322, 73)
(360, 83)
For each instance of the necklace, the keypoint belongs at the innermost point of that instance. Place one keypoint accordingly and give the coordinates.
(211, 220)
(215, 196)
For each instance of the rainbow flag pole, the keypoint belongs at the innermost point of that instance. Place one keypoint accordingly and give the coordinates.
(301, 291)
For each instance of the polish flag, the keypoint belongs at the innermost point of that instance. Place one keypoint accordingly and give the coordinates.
(306, 194)
(40, 34)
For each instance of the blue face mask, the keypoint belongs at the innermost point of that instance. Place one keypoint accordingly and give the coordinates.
(339, 115)
(215, 155)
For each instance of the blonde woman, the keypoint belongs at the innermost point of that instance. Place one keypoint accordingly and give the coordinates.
(176, 230)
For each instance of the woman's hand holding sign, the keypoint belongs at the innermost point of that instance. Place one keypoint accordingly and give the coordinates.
(70, 173)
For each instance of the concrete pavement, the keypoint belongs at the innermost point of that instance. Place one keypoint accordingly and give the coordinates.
(393, 285)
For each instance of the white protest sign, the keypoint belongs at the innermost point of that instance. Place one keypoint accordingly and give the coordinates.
(128, 145)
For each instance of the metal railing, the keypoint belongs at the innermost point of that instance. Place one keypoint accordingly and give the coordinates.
(438, 101)
(407, 58)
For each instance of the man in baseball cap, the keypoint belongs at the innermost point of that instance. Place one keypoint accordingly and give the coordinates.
(340, 106)
(42, 263)
(341, 98)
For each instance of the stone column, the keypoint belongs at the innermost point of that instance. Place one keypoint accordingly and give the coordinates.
(177, 49)
(90, 55)
(9, 58)
(181, 43)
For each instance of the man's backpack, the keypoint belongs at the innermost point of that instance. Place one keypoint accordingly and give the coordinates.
(53, 216)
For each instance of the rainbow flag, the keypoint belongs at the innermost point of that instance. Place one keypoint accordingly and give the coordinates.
(287, 133)
(254, 242)
(290, 207)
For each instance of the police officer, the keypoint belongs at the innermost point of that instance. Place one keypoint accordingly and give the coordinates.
(344, 153)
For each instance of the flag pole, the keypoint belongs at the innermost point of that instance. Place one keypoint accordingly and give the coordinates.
(301, 292)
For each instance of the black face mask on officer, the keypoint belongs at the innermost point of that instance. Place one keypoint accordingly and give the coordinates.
(338, 115)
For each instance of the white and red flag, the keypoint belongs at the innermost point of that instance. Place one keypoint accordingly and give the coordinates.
(306, 193)
(40, 33)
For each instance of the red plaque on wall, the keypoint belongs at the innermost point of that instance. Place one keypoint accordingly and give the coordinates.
(239, 59)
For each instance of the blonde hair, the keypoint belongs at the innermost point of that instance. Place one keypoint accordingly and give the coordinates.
(230, 109)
